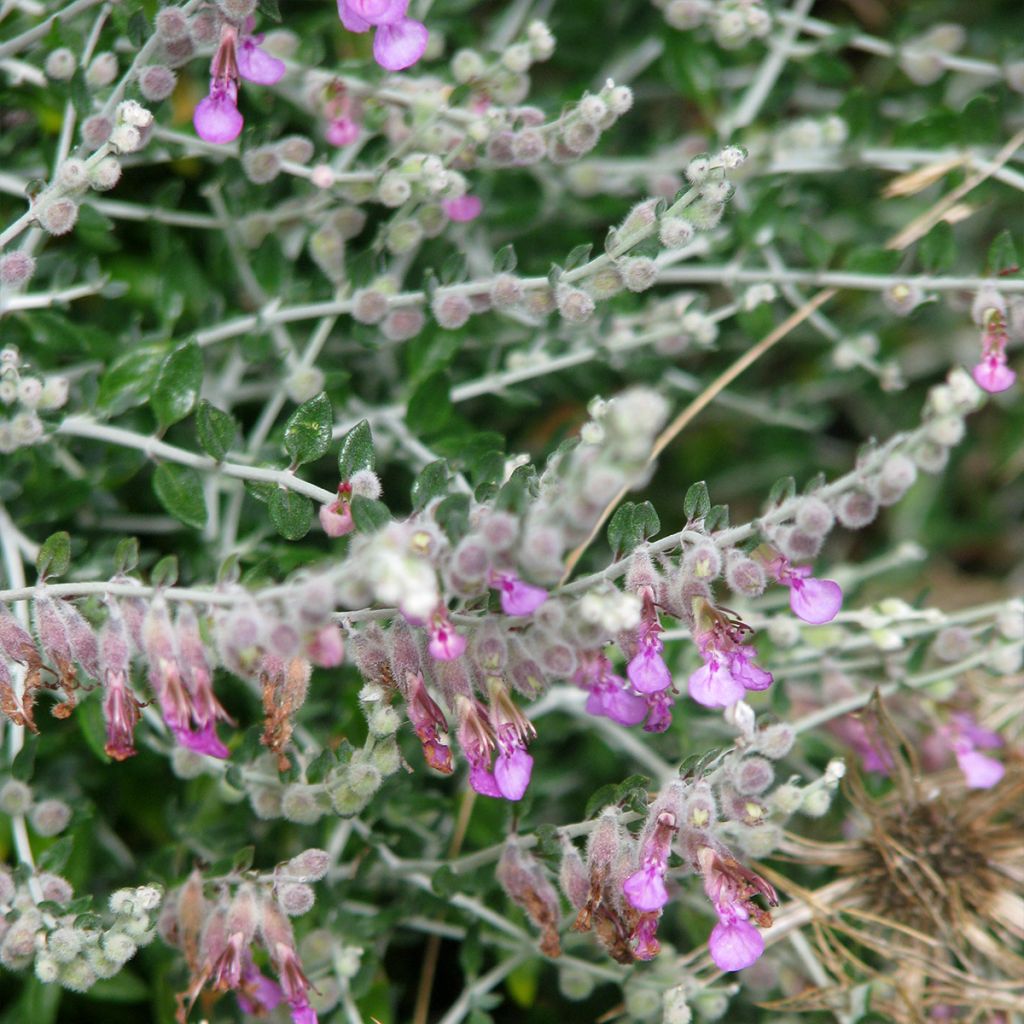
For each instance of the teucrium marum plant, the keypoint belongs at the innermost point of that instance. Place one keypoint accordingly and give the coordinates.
(366, 452)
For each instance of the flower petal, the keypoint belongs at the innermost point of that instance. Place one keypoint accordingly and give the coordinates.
(815, 601)
(216, 118)
(980, 771)
(645, 890)
(735, 944)
(398, 46)
(714, 686)
(256, 65)
(512, 773)
(993, 375)
(648, 672)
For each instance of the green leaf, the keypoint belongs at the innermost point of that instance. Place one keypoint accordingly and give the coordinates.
(78, 93)
(621, 528)
(717, 518)
(430, 406)
(600, 799)
(95, 229)
(697, 503)
(54, 858)
(452, 515)
(578, 256)
(177, 384)
(24, 763)
(868, 259)
(444, 882)
(126, 555)
(368, 514)
(454, 269)
(505, 259)
(180, 491)
(54, 556)
(215, 430)
(782, 490)
(138, 28)
(937, 250)
(89, 715)
(356, 451)
(431, 483)
(242, 860)
(291, 513)
(1002, 254)
(270, 9)
(123, 987)
(307, 434)
(130, 377)
(647, 521)
(165, 572)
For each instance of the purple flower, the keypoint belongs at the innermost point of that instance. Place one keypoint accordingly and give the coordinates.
(647, 670)
(713, 685)
(302, 1012)
(512, 772)
(512, 731)
(398, 42)
(121, 711)
(336, 518)
(517, 597)
(255, 64)
(980, 771)
(644, 938)
(659, 706)
(216, 118)
(203, 740)
(645, 888)
(815, 601)
(607, 693)
(734, 942)
(429, 722)
(743, 669)
(257, 994)
(463, 209)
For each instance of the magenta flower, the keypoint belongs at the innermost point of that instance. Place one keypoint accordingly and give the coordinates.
(463, 209)
(217, 118)
(336, 517)
(964, 737)
(992, 373)
(713, 685)
(643, 940)
(342, 131)
(257, 994)
(445, 644)
(517, 597)
(121, 711)
(728, 671)
(327, 648)
(645, 888)
(255, 64)
(513, 731)
(659, 707)
(476, 737)
(734, 942)
(607, 693)
(398, 41)
(429, 722)
(647, 670)
(813, 600)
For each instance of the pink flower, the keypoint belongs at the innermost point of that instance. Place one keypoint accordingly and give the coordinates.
(964, 735)
(659, 706)
(445, 644)
(398, 42)
(121, 710)
(342, 131)
(336, 518)
(647, 670)
(728, 671)
(217, 118)
(465, 208)
(713, 685)
(512, 770)
(517, 597)
(815, 601)
(644, 938)
(257, 994)
(645, 888)
(992, 373)
(607, 693)
(327, 648)
(255, 64)
(734, 942)
(980, 771)
(429, 722)
(512, 731)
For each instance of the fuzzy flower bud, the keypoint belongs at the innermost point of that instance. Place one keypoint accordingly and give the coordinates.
(16, 268)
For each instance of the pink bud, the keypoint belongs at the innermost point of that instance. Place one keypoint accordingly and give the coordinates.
(463, 209)
(327, 649)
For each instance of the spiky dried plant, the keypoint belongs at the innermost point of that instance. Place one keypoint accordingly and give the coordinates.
(927, 906)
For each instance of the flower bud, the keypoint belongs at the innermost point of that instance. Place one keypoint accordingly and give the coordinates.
(816, 802)
(119, 947)
(402, 324)
(261, 165)
(451, 311)
(304, 383)
(674, 1005)
(56, 888)
(102, 70)
(296, 898)
(50, 817)
(743, 575)
(78, 976)
(619, 100)
(156, 82)
(16, 268)
(60, 64)
(506, 292)
(299, 803)
(15, 797)
(266, 802)
(309, 866)
(72, 175)
(953, 644)
(170, 23)
(856, 509)
(393, 189)
(402, 236)
(104, 175)
(57, 216)
(187, 764)
(814, 517)
(638, 273)
(527, 147)
(704, 561)
(592, 109)
(466, 65)
(895, 478)
(579, 137)
(753, 775)
(517, 58)
(125, 138)
(574, 305)
(64, 944)
(369, 306)
(575, 984)
(675, 232)
(96, 130)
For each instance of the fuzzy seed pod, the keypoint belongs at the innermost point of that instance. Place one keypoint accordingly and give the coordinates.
(15, 797)
(261, 165)
(814, 517)
(309, 866)
(753, 775)
(775, 741)
(451, 311)
(60, 64)
(300, 804)
(156, 82)
(402, 236)
(393, 190)
(402, 324)
(580, 137)
(605, 283)
(675, 232)
(16, 268)
(57, 216)
(953, 644)
(856, 509)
